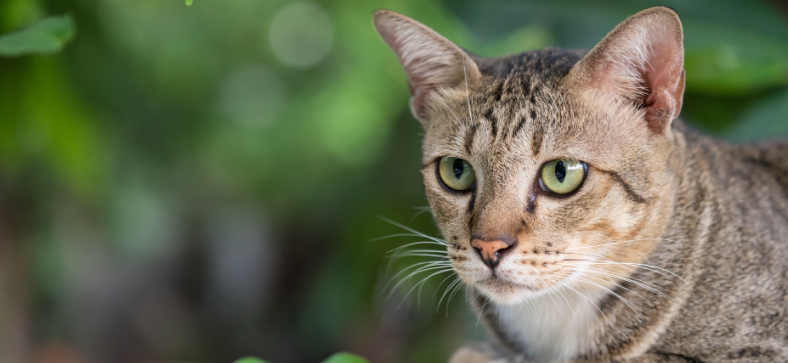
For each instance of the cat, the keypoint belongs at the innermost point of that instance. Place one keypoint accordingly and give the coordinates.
(589, 223)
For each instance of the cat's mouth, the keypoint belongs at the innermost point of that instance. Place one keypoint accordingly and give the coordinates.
(501, 283)
(505, 291)
(502, 290)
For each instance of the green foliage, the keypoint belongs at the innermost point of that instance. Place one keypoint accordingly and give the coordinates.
(249, 359)
(726, 61)
(45, 37)
(345, 358)
(189, 2)
(134, 148)
(336, 358)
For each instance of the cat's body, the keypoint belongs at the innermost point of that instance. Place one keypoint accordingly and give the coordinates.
(672, 247)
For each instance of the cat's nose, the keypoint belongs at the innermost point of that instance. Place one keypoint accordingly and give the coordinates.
(491, 251)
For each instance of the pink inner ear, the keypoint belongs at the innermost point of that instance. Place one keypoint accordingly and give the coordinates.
(644, 63)
(664, 82)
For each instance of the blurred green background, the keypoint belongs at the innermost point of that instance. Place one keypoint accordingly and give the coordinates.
(197, 184)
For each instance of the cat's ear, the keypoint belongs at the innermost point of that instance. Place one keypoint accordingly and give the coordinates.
(431, 61)
(642, 61)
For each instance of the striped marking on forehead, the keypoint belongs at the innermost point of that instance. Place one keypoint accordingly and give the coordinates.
(509, 108)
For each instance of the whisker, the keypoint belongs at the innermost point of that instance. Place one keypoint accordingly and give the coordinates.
(467, 93)
(451, 297)
(436, 289)
(550, 293)
(435, 240)
(421, 211)
(567, 301)
(402, 253)
(631, 306)
(641, 265)
(651, 287)
(416, 254)
(435, 266)
(417, 266)
(411, 230)
(615, 243)
(406, 253)
(452, 112)
(481, 311)
(448, 288)
(414, 244)
(439, 286)
(616, 284)
(588, 300)
(418, 300)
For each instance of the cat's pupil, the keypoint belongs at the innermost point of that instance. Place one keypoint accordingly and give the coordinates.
(458, 168)
(560, 171)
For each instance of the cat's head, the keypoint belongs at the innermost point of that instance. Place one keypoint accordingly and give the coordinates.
(549, 167)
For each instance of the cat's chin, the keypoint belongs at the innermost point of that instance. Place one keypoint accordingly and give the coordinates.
(505, 292)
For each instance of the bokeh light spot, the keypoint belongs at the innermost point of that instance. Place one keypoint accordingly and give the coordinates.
(253, 96)
(301, 34)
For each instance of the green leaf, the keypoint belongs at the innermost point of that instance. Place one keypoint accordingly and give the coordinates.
(245, 359)
(189, 2)
(728, 61)
(345, 358)
(45, 37)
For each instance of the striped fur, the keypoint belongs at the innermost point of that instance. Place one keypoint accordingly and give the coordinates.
(673, 248)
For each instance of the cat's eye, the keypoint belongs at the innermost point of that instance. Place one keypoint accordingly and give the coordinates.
(562, 176)
(457, 174)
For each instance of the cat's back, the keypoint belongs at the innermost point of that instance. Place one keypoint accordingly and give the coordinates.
(739, 220)
(760, 168)
(771, 156)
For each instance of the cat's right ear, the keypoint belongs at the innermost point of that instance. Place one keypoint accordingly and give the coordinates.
(430, 61)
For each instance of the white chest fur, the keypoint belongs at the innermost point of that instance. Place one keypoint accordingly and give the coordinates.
(552, 326)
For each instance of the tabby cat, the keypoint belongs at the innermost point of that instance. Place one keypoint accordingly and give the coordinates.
(590, 223)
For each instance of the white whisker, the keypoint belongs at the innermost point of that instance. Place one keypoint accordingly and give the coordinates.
(653, 288)
(589, 301)
(631, 306)
(414, 244)
(418, 300)
(445, 292)
(615, 243)
(451, 296)
(418, 267)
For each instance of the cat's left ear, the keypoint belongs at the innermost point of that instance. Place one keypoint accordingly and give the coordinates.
(641, 61)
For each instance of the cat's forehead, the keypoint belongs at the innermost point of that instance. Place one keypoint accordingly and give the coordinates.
(517, 106)
(544, 65)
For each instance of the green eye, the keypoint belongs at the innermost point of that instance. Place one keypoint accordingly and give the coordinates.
(457, 174)
(562, 176)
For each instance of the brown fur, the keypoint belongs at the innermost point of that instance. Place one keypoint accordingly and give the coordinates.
(697, 227)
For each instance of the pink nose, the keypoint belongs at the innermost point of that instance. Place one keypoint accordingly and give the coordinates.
(490, 250)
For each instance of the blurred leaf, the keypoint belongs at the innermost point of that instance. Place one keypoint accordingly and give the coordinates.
(724, 60)
(245, 359)
(189, 2)
(345, 358)
(45, 37)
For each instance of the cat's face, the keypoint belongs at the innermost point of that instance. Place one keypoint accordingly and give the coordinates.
(545, 168)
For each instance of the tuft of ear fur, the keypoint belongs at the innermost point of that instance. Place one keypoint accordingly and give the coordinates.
(430, 61)
(642, 62)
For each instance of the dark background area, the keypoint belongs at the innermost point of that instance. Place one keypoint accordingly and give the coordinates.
(197, 184)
